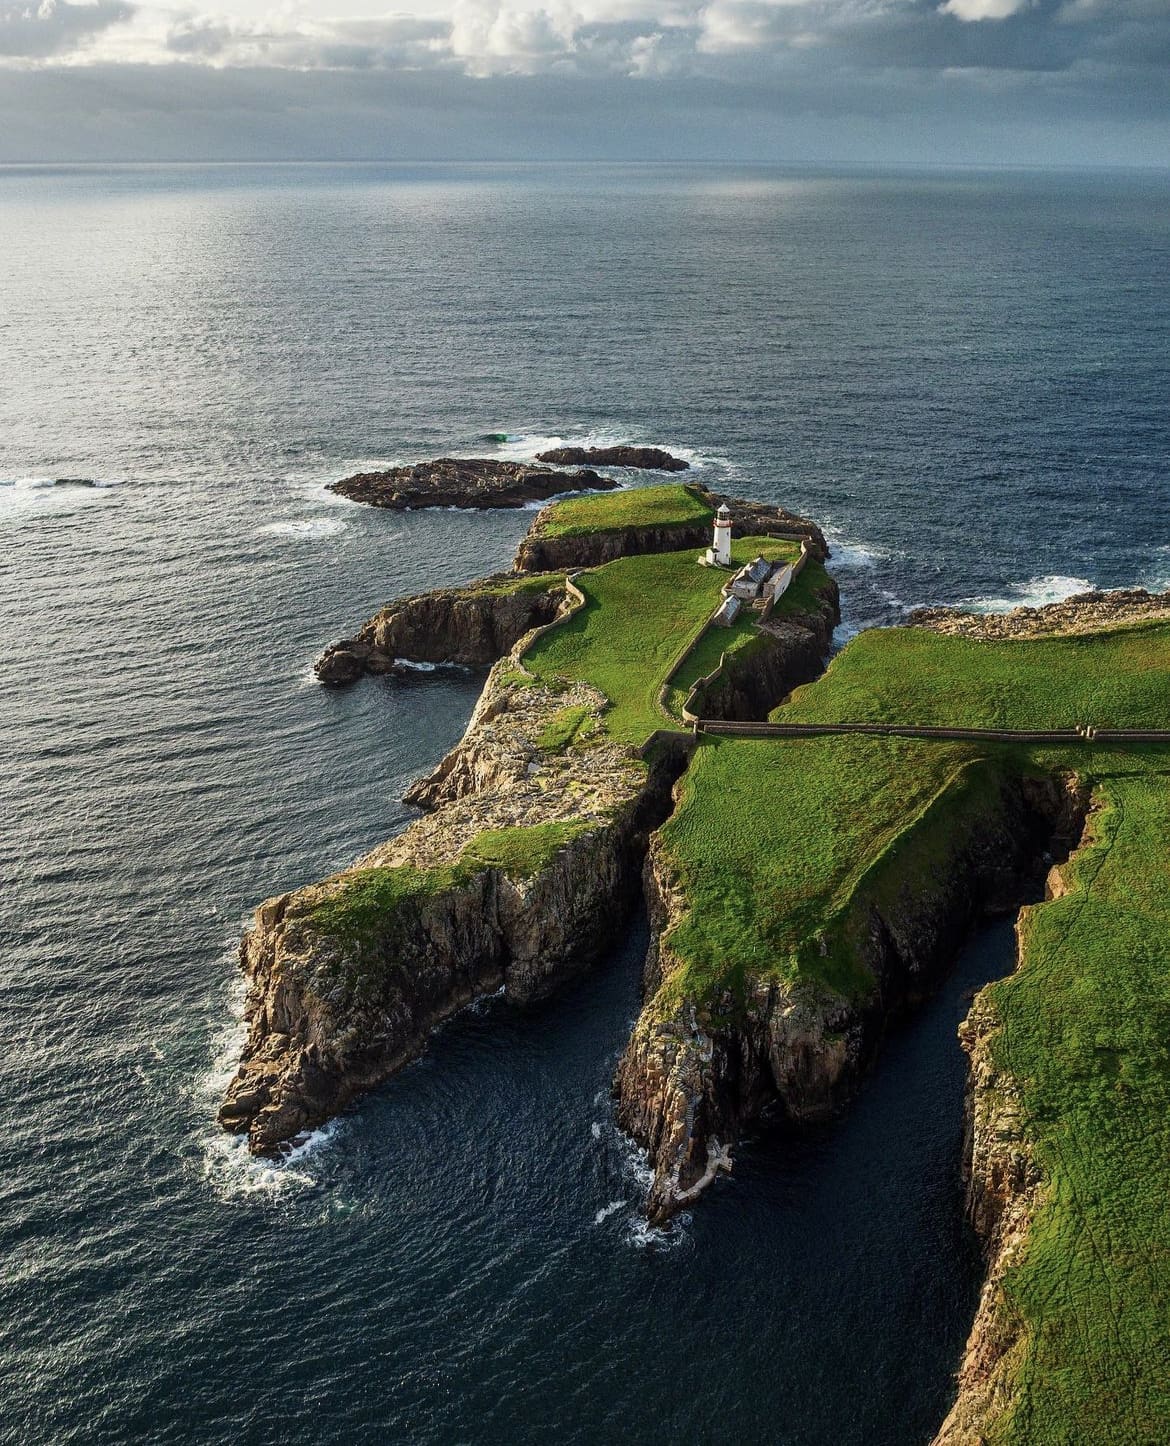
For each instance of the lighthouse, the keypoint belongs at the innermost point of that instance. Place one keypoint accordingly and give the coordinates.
(721, 548)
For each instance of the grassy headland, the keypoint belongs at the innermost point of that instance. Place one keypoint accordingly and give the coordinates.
(664, 506)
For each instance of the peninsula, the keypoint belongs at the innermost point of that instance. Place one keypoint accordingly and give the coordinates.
(808, 882)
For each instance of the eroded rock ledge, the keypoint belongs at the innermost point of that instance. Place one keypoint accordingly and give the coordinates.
(1085, 612)
(465, 482)
(472, 626)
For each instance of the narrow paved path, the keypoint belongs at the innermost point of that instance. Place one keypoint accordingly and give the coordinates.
(898, 730)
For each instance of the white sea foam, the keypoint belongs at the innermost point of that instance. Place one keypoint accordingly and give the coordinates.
(607, 1210)
(306, 529)
(228, 1168)
(48, 496)
(1035, 593)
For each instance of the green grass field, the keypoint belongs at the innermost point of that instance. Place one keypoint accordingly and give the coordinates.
(662, 506)
(639, 614)
(909, 675)
(783, 845)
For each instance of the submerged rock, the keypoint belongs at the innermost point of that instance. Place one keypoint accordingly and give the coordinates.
(465, 482)
(652, 459)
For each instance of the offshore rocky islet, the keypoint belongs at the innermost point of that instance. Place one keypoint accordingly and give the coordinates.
(517, 877)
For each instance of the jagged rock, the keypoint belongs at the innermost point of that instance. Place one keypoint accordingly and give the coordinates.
(648, 458)
(472, 626)
(465, 482)
(1083, 613)
(343, 663)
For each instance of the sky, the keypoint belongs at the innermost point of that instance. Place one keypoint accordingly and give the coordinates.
(839, 82)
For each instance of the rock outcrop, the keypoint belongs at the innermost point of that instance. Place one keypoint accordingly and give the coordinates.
(519, 877)
(694, 1077)
(469, 625)
(1085, 612)
(465, 482)
(652, 459)
(539, 552)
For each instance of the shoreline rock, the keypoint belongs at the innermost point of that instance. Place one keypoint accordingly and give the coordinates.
(1084, 612)
(466, 482)
(472, 626)
(652, 459)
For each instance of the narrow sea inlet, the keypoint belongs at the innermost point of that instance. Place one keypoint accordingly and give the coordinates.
(461, 1256)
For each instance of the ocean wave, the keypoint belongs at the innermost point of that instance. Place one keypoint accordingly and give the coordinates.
(54, 495)
(1037, 592)
(308, 529)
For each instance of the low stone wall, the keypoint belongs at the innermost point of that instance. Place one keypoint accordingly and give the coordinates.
(576, 602)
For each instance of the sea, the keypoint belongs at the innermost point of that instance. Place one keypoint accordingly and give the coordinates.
(963, 376)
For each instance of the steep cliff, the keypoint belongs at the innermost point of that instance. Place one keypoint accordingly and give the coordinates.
(1004, 1184)
(700, 1067)
(472, 625)
(518, 878)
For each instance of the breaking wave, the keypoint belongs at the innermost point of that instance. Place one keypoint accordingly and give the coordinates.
(1037, 592)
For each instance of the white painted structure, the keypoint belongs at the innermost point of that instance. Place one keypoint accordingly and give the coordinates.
(721, 548)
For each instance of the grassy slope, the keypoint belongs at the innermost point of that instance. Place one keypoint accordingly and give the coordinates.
(639, 614)
(775, 837)
(662, 506)
(909, 675)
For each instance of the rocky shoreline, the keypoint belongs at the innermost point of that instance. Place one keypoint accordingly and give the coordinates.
(467, 482)
(1084, 612)
(340, 996)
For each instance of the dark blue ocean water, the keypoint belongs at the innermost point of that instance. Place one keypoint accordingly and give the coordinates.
(964, 377)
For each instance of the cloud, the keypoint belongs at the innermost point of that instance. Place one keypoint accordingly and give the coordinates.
(55, 27)
(983, 9)
(976, 78)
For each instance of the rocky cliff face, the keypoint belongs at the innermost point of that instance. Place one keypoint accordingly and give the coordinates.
(469, 625)
(788, 652)
(1004, 1187)
(693, 1077)
(518, 878)
(539, 552)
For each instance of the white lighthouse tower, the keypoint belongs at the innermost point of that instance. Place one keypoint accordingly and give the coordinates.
(721, 548)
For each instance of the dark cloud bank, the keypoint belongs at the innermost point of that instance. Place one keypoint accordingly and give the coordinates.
(1058, 81)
